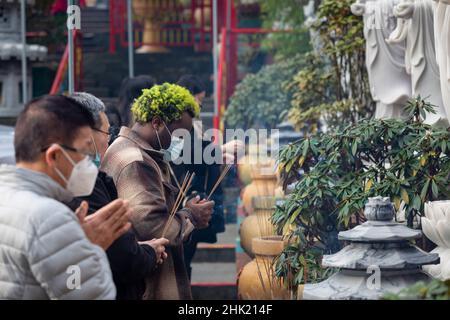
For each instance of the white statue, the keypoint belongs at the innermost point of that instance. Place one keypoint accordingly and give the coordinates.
(436, 226)
(416, 27)
(442, 35)
(390, 84)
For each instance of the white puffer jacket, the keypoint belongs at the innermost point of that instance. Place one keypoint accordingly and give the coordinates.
(43, 249)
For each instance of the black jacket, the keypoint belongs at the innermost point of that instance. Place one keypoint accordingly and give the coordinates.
(130, 262)
(206, 176)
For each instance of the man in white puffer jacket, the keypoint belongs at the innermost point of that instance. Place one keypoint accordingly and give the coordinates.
(46, 251)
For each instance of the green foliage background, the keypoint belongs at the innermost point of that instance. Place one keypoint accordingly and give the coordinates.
(327, 85)
(334, 86)
(261, 98)
(286, 14)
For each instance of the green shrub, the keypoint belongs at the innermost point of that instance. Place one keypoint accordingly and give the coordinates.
(261, 98)
(337, 172)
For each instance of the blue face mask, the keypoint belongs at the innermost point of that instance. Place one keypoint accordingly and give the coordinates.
(97, 160)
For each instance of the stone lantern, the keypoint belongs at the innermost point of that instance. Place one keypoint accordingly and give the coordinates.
(10, 59)
(379, 259)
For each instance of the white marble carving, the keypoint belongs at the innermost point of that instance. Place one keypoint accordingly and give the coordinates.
(380, 232)
(392, 256)
(346, 285)
(442, 39)
(390, 84)
(416, 27)
(436, 226)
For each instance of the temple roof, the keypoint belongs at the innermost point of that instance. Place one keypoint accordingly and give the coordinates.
(29, 2)
(10, 50)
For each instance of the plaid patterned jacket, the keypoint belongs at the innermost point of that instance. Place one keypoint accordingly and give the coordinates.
(142, 177)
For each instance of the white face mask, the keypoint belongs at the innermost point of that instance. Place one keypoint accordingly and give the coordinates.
(175, 148)
(174, 151)
(81, 182)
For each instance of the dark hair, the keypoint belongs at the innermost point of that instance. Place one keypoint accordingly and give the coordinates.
(192, 83)
(47, 120)
(115, 122)
(131, 89)
(111, 112)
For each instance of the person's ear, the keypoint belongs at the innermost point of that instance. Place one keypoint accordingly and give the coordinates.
(156, 123)
(52, 155)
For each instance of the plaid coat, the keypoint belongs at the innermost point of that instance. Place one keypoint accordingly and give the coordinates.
(142, 177)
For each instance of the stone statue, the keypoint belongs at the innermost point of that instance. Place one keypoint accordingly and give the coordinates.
(436, 226)
(416, 27)
(442, 38)
(390, 84)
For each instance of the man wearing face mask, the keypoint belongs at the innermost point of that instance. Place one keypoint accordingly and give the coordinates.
(138, 163)
(43, 250)
(206, 176)
(131, 262)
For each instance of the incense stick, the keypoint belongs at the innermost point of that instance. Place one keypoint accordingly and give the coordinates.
(219, 180)
(172, 213)
(181, 196)
(174, 176)
(176, 201)
(180, 199)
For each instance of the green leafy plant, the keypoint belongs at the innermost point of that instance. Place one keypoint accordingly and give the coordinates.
(300, 264)
(434, 290)
(336, 172)
(167, 101)
(285, 15)
(334, 84)
(260, 98)
(329, 85)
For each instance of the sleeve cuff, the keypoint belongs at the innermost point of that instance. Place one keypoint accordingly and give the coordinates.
(189, 215)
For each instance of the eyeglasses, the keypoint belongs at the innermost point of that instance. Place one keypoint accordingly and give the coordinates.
(90, 155)
(108, 133)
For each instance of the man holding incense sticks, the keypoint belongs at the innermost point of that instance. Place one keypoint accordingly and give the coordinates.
(206, 176)
(131, 261)
(138, 162)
